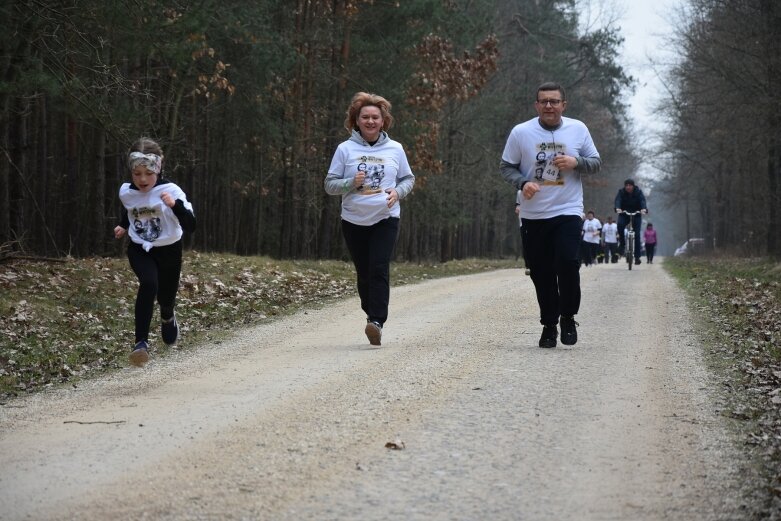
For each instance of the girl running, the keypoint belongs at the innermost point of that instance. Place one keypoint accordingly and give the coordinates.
(157, 213)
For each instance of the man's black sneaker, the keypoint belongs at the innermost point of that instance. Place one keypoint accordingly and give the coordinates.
(169, 330)
(569, 333)
(548, 338)
(637, 261)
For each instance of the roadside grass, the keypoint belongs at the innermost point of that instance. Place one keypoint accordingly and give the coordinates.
(738, 300)
(62, 321)
(741, 300)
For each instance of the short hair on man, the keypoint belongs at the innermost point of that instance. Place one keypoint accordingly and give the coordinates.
(550, 86)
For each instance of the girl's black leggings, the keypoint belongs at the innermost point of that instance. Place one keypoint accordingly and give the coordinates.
(158, 272)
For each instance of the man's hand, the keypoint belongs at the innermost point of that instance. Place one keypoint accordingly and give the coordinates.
(529, 189)
(563, 162)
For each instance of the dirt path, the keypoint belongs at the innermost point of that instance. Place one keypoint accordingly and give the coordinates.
(290, 420)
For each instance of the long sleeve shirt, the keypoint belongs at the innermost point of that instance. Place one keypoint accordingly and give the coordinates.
(385, 165)
(149, 221)
(528, 156)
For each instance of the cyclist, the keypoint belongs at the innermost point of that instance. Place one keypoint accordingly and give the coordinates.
(630, 198)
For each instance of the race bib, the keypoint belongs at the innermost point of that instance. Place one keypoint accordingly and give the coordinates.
(551, 171)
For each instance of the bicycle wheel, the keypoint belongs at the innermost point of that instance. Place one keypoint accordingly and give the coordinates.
(630, 249)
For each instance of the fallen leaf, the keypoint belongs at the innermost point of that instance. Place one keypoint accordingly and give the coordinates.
(396, 444)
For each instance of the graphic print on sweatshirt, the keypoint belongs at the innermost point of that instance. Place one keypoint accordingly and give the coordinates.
(147, 222)
(374, 167)
(545, 172)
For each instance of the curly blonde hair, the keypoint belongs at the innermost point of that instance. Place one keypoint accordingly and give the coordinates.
(365, 99)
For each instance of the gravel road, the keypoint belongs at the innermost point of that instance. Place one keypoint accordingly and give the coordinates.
(289, 420)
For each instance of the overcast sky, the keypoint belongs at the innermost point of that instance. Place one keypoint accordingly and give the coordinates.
(645, 26)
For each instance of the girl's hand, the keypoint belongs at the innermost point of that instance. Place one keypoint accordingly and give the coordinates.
(393, 196)
(119, 232)
(167, 199)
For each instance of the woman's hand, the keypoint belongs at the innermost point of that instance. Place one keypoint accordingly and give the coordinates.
(393, 196)
(119, 232)
(358, 179)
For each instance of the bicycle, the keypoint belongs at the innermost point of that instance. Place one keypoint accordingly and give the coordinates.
(629, 242)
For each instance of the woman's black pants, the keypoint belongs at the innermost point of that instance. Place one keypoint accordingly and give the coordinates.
(371, 248)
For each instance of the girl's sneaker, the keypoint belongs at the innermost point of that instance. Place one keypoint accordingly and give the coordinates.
(140, 354)
(169, 330)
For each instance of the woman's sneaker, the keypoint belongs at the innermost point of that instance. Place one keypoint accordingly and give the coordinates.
(169, 330)
(373, 332)
(140, 354)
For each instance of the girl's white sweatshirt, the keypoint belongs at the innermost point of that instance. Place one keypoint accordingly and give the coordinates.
(151, 221)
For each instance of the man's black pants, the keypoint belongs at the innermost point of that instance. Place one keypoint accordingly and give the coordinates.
(553, 254)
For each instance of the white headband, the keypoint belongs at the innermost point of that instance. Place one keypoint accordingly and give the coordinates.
(153, 162)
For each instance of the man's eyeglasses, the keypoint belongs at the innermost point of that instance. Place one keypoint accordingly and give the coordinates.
(553, 102)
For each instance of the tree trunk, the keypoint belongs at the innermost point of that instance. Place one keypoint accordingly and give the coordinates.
(97, 190)
(5, 176)
(771, 16)
(773, 173)
(20, 225)
(42, 166)
(330, 243)
(71, 226)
